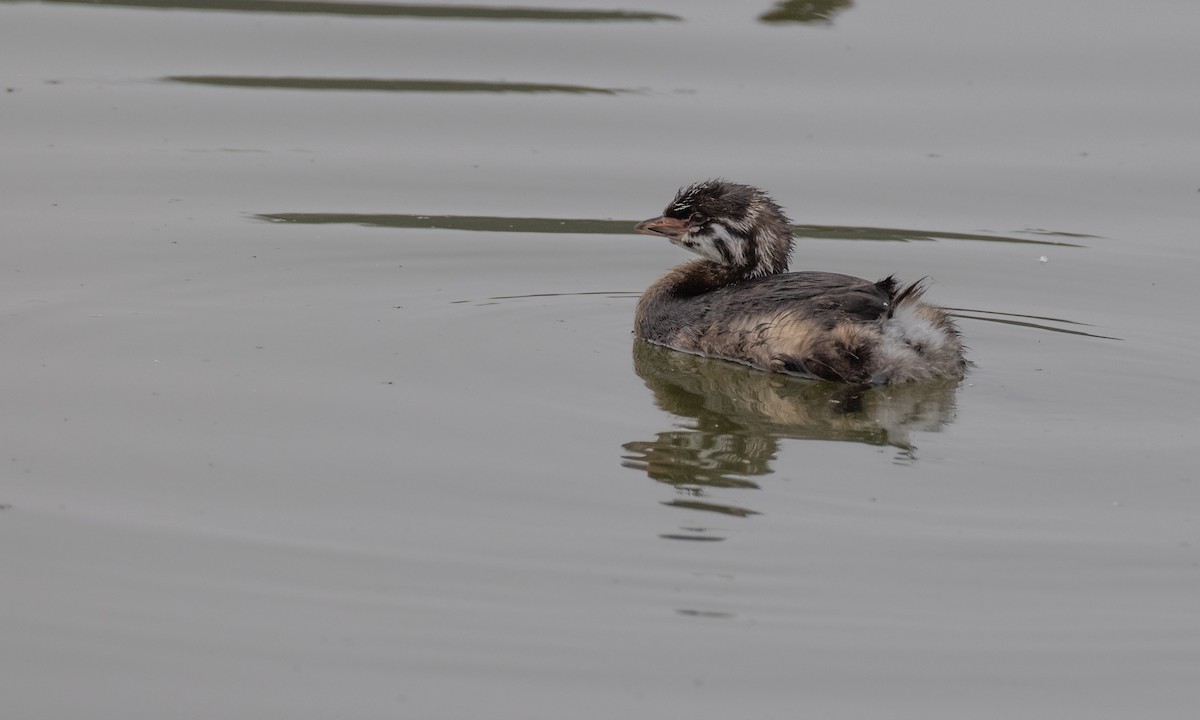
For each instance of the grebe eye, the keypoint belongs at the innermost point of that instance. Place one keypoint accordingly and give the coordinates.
(697, 219)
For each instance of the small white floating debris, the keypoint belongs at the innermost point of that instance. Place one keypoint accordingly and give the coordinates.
(1043, 259)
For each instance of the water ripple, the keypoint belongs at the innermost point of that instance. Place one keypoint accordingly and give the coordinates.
(383, 85)
(1026, 321)
(394, 10)
(586, 226)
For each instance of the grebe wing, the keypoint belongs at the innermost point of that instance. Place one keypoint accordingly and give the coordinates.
(820, 296)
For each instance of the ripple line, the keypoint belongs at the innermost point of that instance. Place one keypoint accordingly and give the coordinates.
(576, 226)
(394, 10)
(382, 85)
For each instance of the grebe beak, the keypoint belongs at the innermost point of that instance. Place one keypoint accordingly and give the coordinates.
(673, 228)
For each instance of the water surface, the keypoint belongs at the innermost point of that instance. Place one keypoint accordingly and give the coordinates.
(322, 399)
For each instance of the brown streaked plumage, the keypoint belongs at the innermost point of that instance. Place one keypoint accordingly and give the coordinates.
(739, 303)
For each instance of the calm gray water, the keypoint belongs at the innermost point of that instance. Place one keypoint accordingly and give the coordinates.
(321, 399)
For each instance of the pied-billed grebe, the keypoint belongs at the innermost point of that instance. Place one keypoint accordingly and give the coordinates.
(739, 303)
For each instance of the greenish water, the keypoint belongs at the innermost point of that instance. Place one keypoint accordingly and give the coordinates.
(321, 398)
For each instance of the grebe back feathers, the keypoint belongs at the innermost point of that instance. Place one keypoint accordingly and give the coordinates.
(737, 302)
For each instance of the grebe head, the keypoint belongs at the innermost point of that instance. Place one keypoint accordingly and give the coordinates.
(733, 225)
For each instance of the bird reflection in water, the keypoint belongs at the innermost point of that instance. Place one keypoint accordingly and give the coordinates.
(736, 417)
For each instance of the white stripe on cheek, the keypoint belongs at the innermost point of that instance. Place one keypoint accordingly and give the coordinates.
(736, 245)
